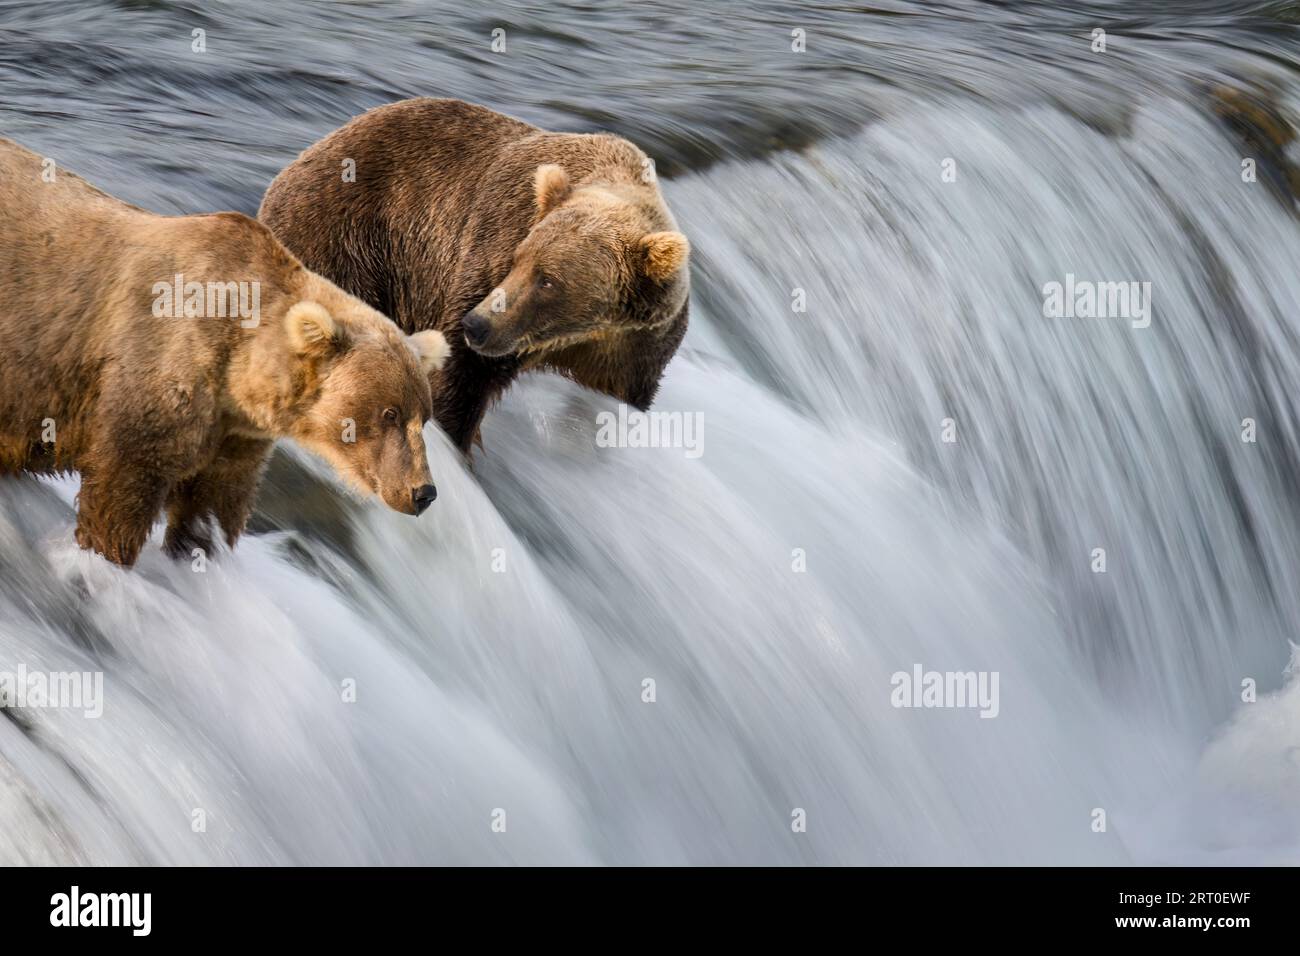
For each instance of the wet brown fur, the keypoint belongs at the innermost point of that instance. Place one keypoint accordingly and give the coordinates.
(446, 196)
(179, 414)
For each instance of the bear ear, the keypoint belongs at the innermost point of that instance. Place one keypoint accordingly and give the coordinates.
(431, 348)
(665, 253)
(312, 330)
(551, 187)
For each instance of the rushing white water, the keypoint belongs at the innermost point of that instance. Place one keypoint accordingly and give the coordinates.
(499, 644)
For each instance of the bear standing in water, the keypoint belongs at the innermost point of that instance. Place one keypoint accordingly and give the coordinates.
(528, 249)
(161, 357)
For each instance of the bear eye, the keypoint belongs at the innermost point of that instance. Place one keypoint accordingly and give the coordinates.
(544, 282)
(390, 415)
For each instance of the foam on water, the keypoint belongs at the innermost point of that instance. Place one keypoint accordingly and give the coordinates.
(498, 645)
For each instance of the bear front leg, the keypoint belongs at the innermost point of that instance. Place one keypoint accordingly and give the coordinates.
(116, 508)
(224, 491)
(188, 527)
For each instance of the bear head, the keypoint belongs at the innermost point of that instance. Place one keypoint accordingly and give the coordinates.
(597, 289)
(362, 395)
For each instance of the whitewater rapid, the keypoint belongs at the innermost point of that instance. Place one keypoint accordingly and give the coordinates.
(370, 688)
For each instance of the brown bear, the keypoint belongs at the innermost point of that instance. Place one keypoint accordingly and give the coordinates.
(529, 249)
(161, 356)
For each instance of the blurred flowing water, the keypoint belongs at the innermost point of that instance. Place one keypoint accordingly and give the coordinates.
(499, 644)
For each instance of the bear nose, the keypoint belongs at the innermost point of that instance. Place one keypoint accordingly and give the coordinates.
(476, 328)
(422, 497)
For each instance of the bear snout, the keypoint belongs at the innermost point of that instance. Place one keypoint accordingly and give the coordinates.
(422, 497)
(477, 329)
